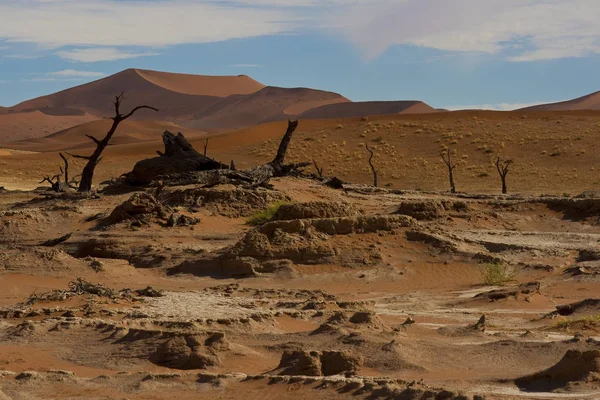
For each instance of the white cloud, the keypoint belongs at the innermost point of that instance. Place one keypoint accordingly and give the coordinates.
(74, 73)
(495, 107)
(102, 30)
(96, 54)
(547, 29)
(61, 23)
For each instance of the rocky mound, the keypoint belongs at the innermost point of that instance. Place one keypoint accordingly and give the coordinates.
(584, 307)
(190, 352)
(318, 363)
(314, 209)
(142, 207)
(527, 289)
(576, 367)
(228, 201)
(472, 329)
(308, 241)
(430, 209)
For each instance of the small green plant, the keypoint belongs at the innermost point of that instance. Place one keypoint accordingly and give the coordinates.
(498, 274)
(265, 215)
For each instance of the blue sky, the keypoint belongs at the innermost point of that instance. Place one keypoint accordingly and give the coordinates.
(498, 54)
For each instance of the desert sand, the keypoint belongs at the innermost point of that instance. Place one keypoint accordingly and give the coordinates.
(194, 286)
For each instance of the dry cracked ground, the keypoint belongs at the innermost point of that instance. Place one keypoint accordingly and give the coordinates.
(358, 293)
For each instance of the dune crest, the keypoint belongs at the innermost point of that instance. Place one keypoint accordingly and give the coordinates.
(204, 85)
(584, 103)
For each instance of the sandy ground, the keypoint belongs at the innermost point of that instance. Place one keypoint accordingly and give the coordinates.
(388, 310)
(553, 153)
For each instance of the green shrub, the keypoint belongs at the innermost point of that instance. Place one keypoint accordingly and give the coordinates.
(498, 274)
(265, 215)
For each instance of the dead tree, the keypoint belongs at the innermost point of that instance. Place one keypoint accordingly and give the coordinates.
(319, 170)
(85, 185)
(182, 165)
(205, 146)
(448, 161)
(371, 164)
(502, 166)
(53, 181)
(66, 170)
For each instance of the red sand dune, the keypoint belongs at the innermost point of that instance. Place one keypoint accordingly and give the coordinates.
(74, 138)
(589, 102)
(368, 108)
(219, 86)
(269, 104)
(25, 125)
(206, 103)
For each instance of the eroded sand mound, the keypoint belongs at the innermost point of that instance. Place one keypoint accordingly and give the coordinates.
(430, 209)
(576, 368)
(314, 209)
(308, 241)
(191, 352)
(141, 207)
(318, 363)
(223, 200)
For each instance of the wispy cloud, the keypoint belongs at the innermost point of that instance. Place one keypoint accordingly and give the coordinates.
(66, 75)
(136, 23)
(104, 30)
(534, 30)
(495, 107)
(22, 56)
(97, 54)
(245, 66)
(75, 73)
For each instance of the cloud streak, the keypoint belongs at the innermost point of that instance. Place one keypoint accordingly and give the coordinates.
(104, 30)
(539, 30)
(96, 54)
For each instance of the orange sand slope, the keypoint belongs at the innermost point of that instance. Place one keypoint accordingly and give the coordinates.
(219, 86)
(193, 101)
(589, 102)
(128, 132)
(25, 125)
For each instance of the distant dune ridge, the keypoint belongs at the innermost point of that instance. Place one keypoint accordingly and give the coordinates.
(368, 108)
(198, 103)
(589, 102)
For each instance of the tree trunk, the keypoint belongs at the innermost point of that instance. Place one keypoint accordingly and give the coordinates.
(452, 187)
(88, 171)
(504, 188)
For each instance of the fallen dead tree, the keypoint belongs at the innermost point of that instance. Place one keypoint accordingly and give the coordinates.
(181, 164)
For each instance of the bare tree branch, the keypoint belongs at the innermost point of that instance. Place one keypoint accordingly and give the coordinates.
(94, 139)
(78, 156)
(448, 161)
(503, 168)
(371, 164)
(85, 185)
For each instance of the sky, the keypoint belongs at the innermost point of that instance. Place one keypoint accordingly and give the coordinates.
(496, 54)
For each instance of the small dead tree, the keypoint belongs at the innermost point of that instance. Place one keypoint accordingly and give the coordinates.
(66, 170)
(85, 185)
(205, 146)
(319, 169)
(448, 161)
(502, 166)
(371, 164)
(53, 181)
